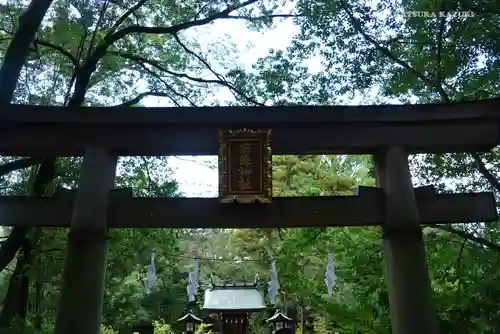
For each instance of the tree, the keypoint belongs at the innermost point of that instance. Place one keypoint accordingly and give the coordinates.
(29, 23)
(129, 255)
(301, 253)
(380, 48)
(90, 58)
(94, 58)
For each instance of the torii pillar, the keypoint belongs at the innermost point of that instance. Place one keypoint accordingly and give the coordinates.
(410, 294)
(82, 290)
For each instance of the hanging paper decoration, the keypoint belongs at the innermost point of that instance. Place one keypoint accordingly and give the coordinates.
(151, 277)
(196, 273)
(274, 285)
(330, 276)
(191, 288)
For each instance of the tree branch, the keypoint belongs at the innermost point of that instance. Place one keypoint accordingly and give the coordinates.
(169, 87)
(157, 65)
(208, 3)
(484, 171)
(19, 164)
(90, 65)
(142, 61)
(11, 245)
(59, 49)
(458, 266)
(206, 164)
(257, 18)
(442, 25)
(217, 75)
(44, 176)
(280, 234)
(126, 15)
(102, 12)
(471, 237)
(389, 54)
(139, 97)
(135, 29)
(15, 56)
(436, 85)
(146, 167)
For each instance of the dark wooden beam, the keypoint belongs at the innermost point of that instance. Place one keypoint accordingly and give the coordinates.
(201, 139)
(481, 109)
(363, 210)
(453, 127)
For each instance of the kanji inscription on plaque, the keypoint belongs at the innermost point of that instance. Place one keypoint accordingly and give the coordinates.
(245, 166)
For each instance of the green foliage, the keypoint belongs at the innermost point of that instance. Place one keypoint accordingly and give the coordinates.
(203, 329)
(128, 253)
(371, 52)
(364, 52)
(162, 328)
(107, 330)
(76, 48)
(319, 175)
(77, 43)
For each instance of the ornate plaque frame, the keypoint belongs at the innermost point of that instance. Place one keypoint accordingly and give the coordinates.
(258, 143)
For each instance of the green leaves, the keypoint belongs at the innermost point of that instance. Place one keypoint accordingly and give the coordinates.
(317, 175)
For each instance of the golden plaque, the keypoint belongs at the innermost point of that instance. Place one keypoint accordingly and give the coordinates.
(245, 166)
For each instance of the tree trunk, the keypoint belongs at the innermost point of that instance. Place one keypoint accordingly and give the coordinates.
(9, 304)
(11, 246)
(15, 57)
(38, 280)
(16, 298)
(10, 70)
(13, 303)
(38, 303)
(29, 248)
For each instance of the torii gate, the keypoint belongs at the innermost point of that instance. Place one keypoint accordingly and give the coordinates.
(389, 133)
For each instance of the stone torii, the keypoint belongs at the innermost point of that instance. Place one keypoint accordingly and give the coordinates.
(389, 133)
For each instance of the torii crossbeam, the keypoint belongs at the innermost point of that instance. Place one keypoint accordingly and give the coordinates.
(365, 209)
(389, 133)
(453, 127)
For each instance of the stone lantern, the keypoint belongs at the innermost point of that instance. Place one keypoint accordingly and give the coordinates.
(309, 325)
(190, 321)
(280, 321)
(144, 324)
(144, 327)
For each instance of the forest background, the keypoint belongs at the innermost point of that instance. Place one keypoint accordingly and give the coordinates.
(112, 52)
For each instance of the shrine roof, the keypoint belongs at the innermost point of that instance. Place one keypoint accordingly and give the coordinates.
(190, 316)
(279, 316)
(237, 297)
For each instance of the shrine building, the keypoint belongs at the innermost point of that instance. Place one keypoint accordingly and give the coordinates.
(233, 304)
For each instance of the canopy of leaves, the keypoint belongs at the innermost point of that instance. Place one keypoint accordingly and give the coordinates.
(116, 53)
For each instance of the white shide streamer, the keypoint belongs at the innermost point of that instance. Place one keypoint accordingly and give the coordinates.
(192, 287)
(151, 277)
(274, 285)
(196, 275)
(330, 276)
